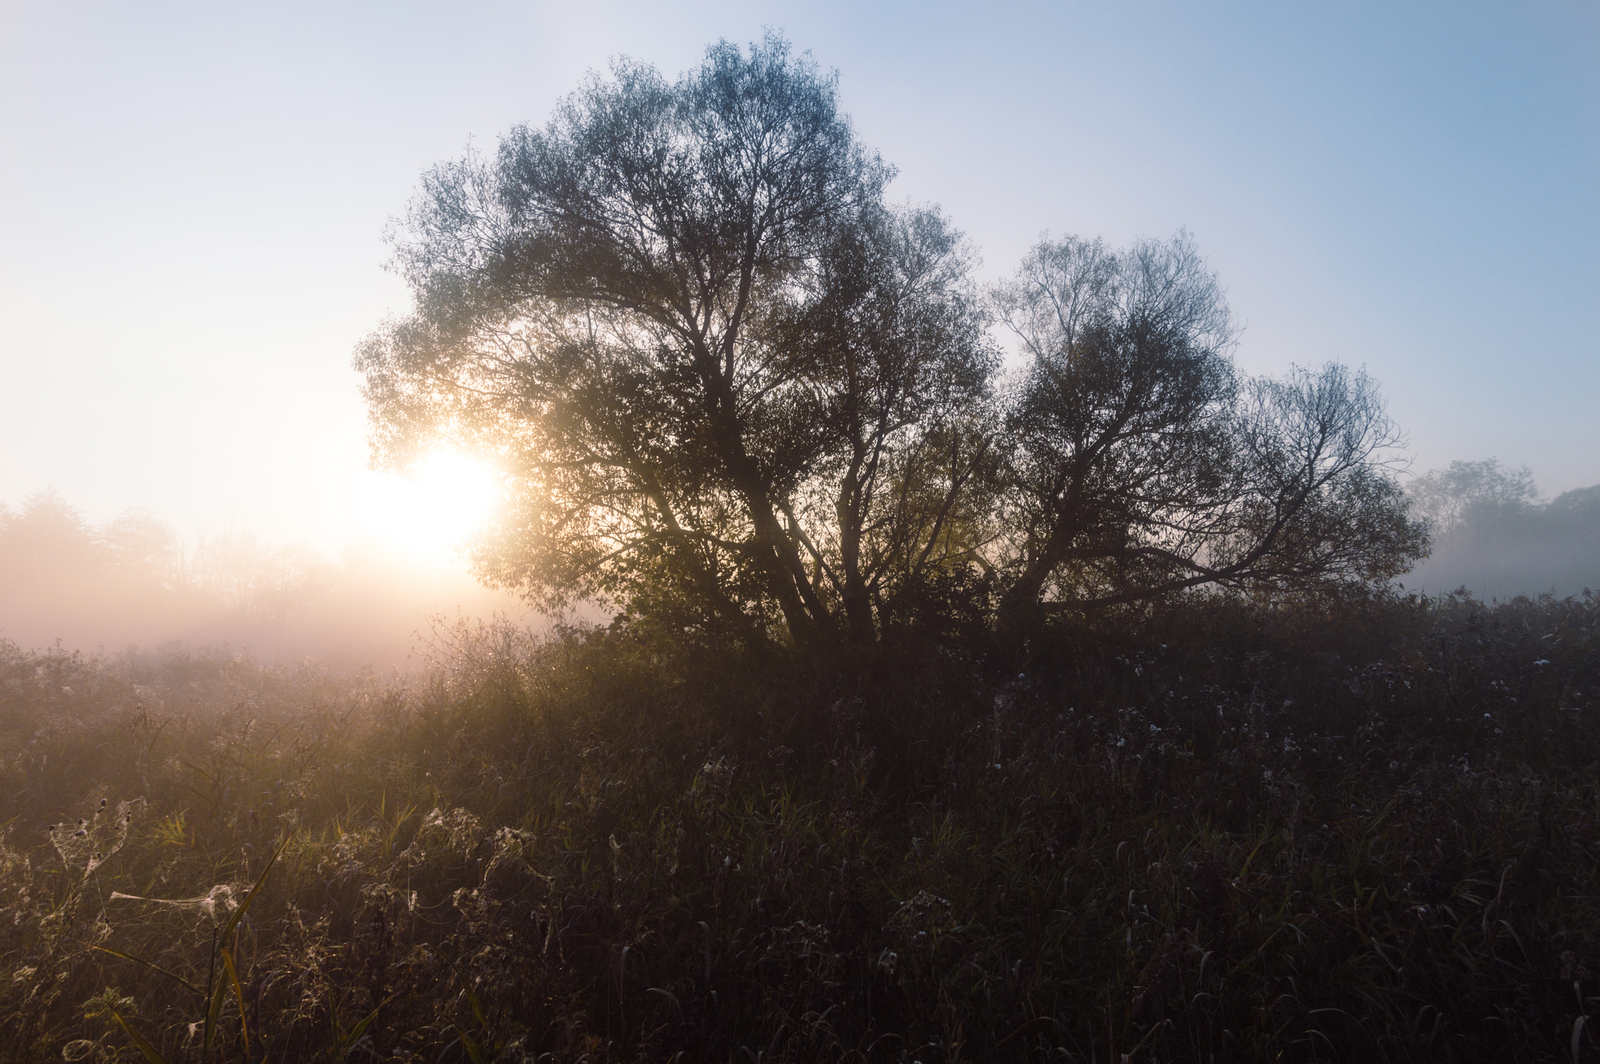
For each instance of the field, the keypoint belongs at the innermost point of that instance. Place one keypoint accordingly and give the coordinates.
(1359, 830)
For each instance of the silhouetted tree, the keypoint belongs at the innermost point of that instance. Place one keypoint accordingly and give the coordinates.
(237, 570)
(1140, 464)
(731, 388)
(144, 551)
(727, 384)
(1579, 507)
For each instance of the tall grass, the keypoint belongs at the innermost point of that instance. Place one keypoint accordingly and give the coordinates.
(1360, 830)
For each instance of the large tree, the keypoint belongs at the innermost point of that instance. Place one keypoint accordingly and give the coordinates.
(732, 389)
(729, 386)
(1141, 464)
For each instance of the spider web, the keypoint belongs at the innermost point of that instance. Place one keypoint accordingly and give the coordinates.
(88, 844)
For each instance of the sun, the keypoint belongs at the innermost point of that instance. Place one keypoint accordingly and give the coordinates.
(434, 509)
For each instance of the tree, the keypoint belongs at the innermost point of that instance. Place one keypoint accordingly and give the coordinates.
(1496, 539)
(726, 384)
(1140, 464)
(733, 390)
(49, 548)
(1469, 495)
(144, 551)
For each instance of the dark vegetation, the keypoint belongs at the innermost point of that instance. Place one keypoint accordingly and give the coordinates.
(1359, 828)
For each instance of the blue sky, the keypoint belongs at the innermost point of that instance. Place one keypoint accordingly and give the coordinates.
(194, 197)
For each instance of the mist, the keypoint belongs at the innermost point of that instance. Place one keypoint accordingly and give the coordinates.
(1495, 537)
(136, 582)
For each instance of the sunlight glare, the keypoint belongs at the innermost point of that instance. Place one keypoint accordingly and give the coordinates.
(431, 512)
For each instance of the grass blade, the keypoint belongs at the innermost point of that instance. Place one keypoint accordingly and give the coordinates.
(152, 966)
(469, 1045)
(212, 1013)
(238, 996)
(361, 1028)
(149, 1051)
(477, 1006)
(238, 914)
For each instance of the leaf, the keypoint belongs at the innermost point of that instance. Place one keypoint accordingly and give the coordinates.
(212, 1013)
(238, 995)
(144, 1047)
(151, 965)
(238, 914)
(477, 1006)
(227, 933)
(361, 1028)
(471, 1047)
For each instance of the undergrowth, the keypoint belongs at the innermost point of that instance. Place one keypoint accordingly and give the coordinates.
(1362, 831)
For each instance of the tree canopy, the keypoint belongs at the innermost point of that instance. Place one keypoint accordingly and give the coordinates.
(733, 388)
(1141, 464)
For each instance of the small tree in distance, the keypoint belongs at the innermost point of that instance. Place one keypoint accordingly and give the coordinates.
(1468, 494)
(1496, 539)
(732, 389)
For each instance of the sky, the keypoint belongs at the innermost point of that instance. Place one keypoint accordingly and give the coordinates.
(194, 200)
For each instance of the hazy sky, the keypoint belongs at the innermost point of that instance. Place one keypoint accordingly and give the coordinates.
(193, 199)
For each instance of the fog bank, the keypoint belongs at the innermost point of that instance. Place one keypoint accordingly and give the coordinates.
(136, 582)
(1493, 536)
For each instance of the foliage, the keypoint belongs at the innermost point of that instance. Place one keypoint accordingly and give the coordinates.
(722, 376)
(1467, 494)
(1196, 829)
(1141, 465)
(731, 390)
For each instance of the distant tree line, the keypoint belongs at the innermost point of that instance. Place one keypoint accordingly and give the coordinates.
(1493, 535)
(135, 581)
(735, 390)
(50, 553)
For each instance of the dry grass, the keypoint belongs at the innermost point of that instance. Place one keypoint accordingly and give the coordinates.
(1364, 830)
